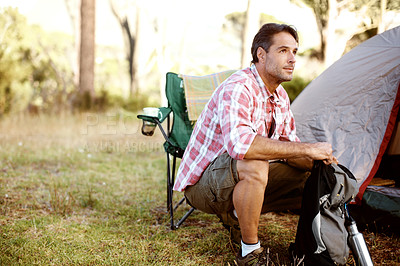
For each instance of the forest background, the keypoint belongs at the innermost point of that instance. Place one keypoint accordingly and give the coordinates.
(69, 55)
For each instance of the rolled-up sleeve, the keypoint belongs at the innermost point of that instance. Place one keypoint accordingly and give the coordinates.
(235, 119)
(289, 127)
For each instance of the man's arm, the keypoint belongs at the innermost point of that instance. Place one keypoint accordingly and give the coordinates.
(263, 148)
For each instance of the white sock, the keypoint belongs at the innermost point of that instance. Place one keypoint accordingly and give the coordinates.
(246, 249)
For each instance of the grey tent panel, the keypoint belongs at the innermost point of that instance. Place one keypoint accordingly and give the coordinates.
(353, 105)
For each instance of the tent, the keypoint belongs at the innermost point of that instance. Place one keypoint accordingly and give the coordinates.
(354, 106)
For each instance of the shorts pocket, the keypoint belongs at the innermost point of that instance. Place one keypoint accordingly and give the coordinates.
(221, 185)
(214, 190)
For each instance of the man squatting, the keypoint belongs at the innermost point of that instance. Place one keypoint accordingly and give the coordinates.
(244, 157)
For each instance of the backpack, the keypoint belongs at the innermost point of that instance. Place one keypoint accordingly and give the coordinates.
(321, 237)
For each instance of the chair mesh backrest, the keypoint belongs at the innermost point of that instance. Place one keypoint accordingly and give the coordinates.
(182, 127)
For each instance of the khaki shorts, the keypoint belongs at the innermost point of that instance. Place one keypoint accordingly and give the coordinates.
(213, 192)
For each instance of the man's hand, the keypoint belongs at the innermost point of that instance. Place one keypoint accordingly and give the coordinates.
(323, 151)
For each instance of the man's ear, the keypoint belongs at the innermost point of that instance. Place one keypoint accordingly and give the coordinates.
(260, 54)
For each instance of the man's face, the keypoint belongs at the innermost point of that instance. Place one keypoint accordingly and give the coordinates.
(278, 64)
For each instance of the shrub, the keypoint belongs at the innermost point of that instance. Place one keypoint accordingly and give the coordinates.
(295, 86)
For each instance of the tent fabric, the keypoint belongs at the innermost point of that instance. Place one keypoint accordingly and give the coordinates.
(379, 209)
(354, 104)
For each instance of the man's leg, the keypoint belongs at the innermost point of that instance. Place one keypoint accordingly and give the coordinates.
(248, 196)
(213, 192)
(285, 187)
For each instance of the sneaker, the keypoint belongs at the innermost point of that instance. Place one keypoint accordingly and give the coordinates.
(257, 257)
(231, 223)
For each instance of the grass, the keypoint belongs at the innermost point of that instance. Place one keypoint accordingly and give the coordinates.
(90, 189)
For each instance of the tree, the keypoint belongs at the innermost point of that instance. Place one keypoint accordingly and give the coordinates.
(251, 25)
(339, 20)
(87, 53)
(244, 25)
(131, 35)
(73, 8)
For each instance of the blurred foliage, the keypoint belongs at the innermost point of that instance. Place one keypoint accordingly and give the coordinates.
(369, 10)
(359, 38)
(321, 8)
(36, 72)
(14, 69)
(32, 74)
(374, 6)
(235, 22)
(295, 87)
(104, 101)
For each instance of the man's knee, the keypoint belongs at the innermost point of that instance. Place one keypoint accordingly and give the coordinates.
(253, 171)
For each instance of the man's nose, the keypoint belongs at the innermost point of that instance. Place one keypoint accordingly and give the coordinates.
(292, 57)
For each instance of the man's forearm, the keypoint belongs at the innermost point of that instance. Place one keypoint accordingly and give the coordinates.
(297, 153)
(267, 149)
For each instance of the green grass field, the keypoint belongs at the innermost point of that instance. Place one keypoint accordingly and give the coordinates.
(91, 190)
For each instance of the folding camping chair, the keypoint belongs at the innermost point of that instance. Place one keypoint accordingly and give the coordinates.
(178, 133)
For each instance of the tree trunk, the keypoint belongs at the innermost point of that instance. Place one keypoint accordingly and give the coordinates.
(87, 52)
(250, 28)
(134, 71)
(381, 25)
(130, 41)
(330, 40)
(73, 8)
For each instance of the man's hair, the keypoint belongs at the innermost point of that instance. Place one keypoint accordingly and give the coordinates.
(264, 37)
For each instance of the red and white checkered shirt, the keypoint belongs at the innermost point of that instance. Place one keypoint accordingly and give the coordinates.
(239, 109)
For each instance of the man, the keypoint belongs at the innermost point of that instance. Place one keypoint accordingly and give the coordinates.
(247, 123)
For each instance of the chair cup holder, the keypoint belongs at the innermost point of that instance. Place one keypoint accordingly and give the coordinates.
(148, 128)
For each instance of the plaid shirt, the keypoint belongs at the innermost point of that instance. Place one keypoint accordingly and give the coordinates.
(239, 109)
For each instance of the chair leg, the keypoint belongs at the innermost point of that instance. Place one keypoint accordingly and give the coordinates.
(170, 208)
(184, 218)
(179, 203)
(170, 183)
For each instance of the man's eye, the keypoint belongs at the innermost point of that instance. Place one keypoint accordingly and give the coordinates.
(282, 51)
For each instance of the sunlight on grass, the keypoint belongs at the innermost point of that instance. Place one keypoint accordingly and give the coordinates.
(70, 194)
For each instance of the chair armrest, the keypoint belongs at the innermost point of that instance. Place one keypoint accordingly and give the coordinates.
(163, 113)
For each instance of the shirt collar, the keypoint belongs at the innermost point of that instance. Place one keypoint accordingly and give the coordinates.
(265, 92)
